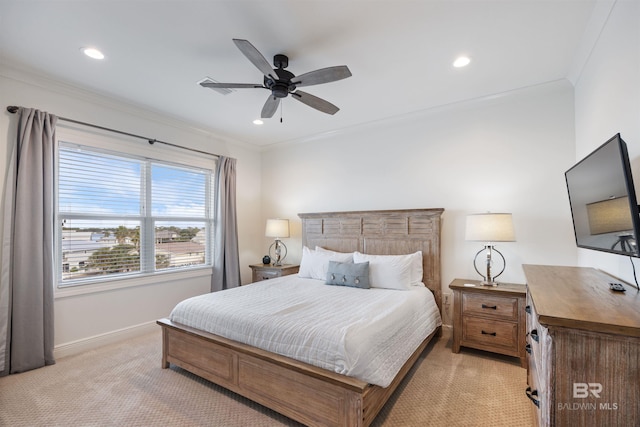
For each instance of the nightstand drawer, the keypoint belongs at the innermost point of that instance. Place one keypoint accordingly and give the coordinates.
(490, 333)
(264, 274)
(498, 307)
(260, 272)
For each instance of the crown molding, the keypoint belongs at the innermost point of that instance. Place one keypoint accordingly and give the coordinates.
(552, 85)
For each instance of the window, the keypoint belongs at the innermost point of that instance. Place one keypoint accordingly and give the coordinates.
(121, 215)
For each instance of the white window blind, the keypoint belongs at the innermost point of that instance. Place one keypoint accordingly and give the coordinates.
(122, 215)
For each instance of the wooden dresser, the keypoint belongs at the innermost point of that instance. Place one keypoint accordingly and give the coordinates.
(489, 318)
(583, 342)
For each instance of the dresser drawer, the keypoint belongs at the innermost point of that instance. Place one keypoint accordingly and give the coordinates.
(498, 307)
(539, 342)
(538, 381)
(535, 393)
(490, 333)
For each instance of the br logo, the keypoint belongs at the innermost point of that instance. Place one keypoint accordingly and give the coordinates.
(583, 390)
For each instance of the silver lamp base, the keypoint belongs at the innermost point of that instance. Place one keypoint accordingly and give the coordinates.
(278, 257)
(489, 280)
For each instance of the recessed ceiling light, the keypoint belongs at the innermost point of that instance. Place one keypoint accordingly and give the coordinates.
(258, 122)
(461, 61)
(92, 52)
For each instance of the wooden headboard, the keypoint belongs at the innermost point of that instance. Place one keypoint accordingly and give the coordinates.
(388, 232)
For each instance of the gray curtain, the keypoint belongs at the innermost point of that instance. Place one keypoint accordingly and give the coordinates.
(26, 274)
(226, 265)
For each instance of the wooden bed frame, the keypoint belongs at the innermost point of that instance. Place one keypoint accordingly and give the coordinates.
(305, 393)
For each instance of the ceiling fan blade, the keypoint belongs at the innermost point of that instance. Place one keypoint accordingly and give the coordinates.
(230, 85)
(315, 102)
(255, 57)
(270, 107)
(323, 75)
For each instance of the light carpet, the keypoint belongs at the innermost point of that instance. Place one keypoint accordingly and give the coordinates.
(123, 385)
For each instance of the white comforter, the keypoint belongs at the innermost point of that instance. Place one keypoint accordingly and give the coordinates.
(364, 333)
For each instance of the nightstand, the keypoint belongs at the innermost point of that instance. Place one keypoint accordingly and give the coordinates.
(490, 318)
(268, 271)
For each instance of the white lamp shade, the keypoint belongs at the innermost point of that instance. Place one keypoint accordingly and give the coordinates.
(277, 228)
(490, 227)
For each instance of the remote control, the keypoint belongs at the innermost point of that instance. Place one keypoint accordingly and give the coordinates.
(617, 287)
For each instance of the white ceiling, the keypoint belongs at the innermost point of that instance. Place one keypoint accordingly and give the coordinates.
(399, 51)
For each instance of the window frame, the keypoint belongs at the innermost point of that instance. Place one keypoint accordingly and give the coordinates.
(166, 155)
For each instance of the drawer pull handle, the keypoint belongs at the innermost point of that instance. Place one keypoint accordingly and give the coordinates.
(532, 395)
(493, 334)
(527, 309)
(492, 307)
(527, 348)
(534, 335)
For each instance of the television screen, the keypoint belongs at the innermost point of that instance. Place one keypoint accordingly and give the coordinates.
(603, 200)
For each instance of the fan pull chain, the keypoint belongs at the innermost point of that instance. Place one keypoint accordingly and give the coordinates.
(281, 111)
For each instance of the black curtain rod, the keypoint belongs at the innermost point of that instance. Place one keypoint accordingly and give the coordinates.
(13, 109)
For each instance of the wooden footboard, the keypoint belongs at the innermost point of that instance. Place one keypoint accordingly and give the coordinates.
(310, 395)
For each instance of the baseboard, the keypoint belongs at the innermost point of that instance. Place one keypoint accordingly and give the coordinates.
(91, 343)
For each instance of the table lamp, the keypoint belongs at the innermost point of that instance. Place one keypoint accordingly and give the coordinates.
(489, 228)
(277, 228)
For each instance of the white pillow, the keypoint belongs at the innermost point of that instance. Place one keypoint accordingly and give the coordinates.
(393, 271)
(416, 265)
(321, 249)
(315, 264)
(416, 268)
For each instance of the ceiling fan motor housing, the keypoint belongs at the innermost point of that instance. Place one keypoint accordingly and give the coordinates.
(283, 86)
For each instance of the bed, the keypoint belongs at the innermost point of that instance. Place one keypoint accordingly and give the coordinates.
(301, 391)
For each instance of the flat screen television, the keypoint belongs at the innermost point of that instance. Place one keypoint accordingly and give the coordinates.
(603, 200)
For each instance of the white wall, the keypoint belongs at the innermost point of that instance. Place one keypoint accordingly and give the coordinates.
(503, 154)
(607, 101)
(94, 317)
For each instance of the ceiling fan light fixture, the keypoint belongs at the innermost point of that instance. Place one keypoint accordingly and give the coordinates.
(258, 122)
(92, 52)
(461, 61)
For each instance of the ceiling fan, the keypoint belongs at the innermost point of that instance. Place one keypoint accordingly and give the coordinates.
(282, 83)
